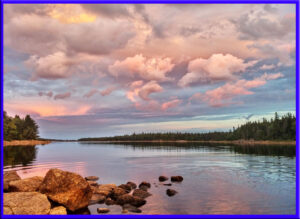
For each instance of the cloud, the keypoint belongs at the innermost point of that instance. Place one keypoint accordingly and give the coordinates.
(170, 104)
(218, 67)
(48, 94)
(141, 67)
(91, 93)
(108, 10)
(62, 96)
(223, 96)
(267, 67)
(107, 91)
(149, 88)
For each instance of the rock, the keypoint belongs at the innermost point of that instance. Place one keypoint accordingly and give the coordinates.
(92, 183)
(125, 211)
(141, 193)
(82, 211)
(162, 178)
(60, 210)
(8, 177)
(144, 187)
(138, 202)
(97, 198)
(116, 192)
(131, 208)
(105, 189)
(27, 203)
(91, 178)
(126, 187)
(125, 199)
(171, 192)
(102, 210)
(66, 188)
(176, 178)
(131, 184)
(167, 184)
(143, 184)
(109, 201)
(31, 184)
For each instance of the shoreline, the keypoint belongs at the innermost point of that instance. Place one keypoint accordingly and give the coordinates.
(25, 142)
(236, 142)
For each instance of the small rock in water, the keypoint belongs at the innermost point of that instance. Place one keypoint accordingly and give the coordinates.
(138, 202)
(102, 210)
(125, 199)
(116, 192)
(131, 184)
(126, 187)
(131, 208)
(144, 187)
(92, 178)
(167, 184)
(97, 198)
(145, 184)
(125, 211)
(163, 178)
(171, 192)
(141, 193)
(109, 201)
(92, 183)
(176, 178)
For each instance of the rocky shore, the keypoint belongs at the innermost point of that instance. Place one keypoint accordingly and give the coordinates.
(62, 192)
(25, 142)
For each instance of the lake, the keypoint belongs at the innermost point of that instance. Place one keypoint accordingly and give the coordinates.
(218, 179)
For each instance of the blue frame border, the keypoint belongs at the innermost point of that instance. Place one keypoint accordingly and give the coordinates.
(296, 2)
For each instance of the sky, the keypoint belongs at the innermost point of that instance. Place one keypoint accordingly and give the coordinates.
(107, 69)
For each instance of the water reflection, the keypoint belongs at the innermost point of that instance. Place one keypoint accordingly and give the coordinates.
(19, 155)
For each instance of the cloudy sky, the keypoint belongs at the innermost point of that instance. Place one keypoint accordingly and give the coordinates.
(102, 70)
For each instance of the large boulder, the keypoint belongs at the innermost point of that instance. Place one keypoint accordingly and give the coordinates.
(31, 184)
(8, 177)
(66, 188)
(29, 203)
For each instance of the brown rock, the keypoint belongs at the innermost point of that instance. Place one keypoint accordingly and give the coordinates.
(171, 192)
(144, 187)
(163, 178)
(125, 199)
(92, 178)
(66, 188)
(109, 201)
(59, 210)
(27, 203)
(141, 193)
(105, 189)
(116, 192)
(176, 178)
(145, 184)
(131, 184)
(97, 198)
(138, 202)
(167, 184)
(126, 187)
(92, 183)
(31, 184)
(8, 177)
(102, 210)
(131, 208)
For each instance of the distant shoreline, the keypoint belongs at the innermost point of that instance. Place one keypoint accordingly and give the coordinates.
(25, 142)
(236, 142)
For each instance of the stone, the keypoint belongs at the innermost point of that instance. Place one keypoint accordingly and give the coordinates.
(125, 199)
(145, 184)
(162, 178)
(132, 185)
(91, 178)
(125, 211)
(126, 187)
(25, 203)
(176, 178)
(141, 193)
(97, 199)
(116, 192)
(109, 201)
(66, 188)
(92, 183)
(102, 210)
(167, 184)
(105, 189)
(138, 202)
(59, 210)
(171, 192)
(144, 187)
(31, 184)
(131, 208)
(8, 177)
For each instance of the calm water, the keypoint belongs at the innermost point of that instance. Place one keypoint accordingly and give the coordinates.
(217, 179)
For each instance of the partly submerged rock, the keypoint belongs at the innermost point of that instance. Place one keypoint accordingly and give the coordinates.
(8, 177)
(144, 187)
(131, 208)
(145, 184)
(31, 184)
(167, 184)
(66, 188)
(59, 210)
(171, 192)
(97, 199)
(109, 201)
(116, 192)
(176, 178)
(92, 178)
(92, 183)
(138, 202)
(163, 178)
(141, 193)
(102, 210)
(132, 185)
(126, 187)
(26, 203)
(105, 189)
(124, 199)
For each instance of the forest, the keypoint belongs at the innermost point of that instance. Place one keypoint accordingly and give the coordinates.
(16, 128)
(277, 128)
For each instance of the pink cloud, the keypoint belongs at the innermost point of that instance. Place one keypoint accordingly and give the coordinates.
(91, 93)
(218, 67)
(170, 104)
(62, 96)
(138, 89)
(141, 67)
(107, 91)
(224, 95)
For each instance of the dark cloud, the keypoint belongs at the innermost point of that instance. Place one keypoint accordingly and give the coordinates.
(108, 10)
(62, 96)
(47, 94)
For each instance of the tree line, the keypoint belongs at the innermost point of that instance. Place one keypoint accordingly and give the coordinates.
(277, 128)
(16, 128)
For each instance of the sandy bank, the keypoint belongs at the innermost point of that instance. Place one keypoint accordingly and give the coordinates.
(25, 142)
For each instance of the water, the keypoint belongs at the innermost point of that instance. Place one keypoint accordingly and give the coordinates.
(217, 179)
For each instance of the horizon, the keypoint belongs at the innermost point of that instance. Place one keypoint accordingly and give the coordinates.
(106, 70)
